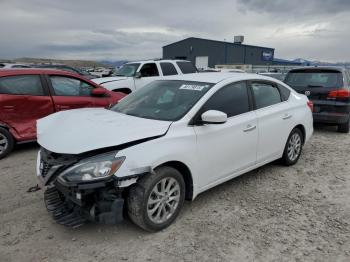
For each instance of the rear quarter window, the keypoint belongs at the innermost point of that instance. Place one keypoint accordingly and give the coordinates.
(285, 92)
(21, 85)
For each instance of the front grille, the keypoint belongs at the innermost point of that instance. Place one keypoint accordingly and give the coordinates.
(53, 163)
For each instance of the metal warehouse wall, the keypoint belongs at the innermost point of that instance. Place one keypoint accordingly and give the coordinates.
(217, 52)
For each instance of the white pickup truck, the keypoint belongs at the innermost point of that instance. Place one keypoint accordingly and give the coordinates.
(134, 75)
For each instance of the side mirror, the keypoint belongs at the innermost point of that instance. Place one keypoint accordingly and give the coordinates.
(214, 117)
(138, 75)
(99, 91)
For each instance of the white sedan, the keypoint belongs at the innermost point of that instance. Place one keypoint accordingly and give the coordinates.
(165, 143)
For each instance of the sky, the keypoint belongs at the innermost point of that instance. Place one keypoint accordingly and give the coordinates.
(135, 29)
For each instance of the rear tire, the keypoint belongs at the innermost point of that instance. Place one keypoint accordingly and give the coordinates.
(6, 142)
(155, 200)
(293, 147)
(344, 128)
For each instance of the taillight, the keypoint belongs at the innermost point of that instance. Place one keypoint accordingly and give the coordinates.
(339, 94)
(310, 105)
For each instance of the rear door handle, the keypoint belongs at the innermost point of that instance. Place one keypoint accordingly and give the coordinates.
(286, 116)
(9, 107)
(249, 128)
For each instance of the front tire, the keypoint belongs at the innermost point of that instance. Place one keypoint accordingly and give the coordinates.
(293, 147)
(155, 200)
(6, 142)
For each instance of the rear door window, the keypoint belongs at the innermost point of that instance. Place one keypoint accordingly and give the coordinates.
(186, 67)
(21, 85)
(68, 86)
(168, 69)
(265, 94)
(315, 78)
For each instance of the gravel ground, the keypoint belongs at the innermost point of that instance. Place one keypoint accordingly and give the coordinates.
(275, 213)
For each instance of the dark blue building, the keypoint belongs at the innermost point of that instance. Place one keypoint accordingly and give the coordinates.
(208, 53)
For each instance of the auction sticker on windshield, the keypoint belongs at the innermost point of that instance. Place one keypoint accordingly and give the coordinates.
(193, 87)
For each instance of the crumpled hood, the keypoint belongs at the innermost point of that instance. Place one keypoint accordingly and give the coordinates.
(102, 80)
(81, 130)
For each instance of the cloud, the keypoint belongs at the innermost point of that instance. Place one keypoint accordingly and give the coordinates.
(135, 29)
(296, 7)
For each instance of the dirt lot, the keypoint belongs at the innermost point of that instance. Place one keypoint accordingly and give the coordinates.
(300, 213)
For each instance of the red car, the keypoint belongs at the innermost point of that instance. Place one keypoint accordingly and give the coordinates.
(29, 94)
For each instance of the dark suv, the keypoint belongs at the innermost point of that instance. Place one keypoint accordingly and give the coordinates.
(329, 89)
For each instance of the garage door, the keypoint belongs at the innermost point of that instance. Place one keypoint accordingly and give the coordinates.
(202, 62)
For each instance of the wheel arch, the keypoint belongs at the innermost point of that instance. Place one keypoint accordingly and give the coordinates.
(124, 90)
(10, 130)
(4, 126)
(186, 173)
(303, 131)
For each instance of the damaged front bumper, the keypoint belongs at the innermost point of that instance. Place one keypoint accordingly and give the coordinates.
(73, 206)
(74, 203)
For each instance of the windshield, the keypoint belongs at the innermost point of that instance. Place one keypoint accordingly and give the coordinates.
(167, 100)
(127, 70)
(319, 78)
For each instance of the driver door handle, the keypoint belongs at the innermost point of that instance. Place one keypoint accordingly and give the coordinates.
(249, 128)
(9, 107)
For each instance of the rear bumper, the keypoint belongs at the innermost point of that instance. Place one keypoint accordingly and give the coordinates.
(73, 206)
(331, 112)
(331, 118)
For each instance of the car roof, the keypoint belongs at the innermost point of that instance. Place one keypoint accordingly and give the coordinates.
(35, 71)
(216, 77)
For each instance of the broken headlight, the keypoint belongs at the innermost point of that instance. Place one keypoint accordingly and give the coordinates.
(93, 168)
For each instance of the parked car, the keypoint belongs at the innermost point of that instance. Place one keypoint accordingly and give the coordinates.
(13, 65)
(223, 70)
(66, 68)
(100, 72)
(164, 143)
(276, 75)
(132, 76)
(230, 70)
(29, 94)
(329, 89)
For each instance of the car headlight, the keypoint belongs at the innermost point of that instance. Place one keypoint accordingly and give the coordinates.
(93, 168)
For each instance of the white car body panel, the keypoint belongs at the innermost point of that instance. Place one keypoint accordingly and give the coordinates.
(81, 130)
(104, 80)
(273, 130)
(227, 145)
(212, 153)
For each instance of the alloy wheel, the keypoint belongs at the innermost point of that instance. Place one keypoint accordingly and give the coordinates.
(163, 200)
(294, 146)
